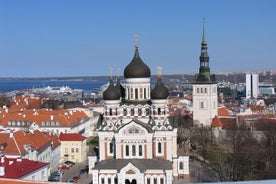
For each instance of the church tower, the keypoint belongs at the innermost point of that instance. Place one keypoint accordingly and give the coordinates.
(204, 89)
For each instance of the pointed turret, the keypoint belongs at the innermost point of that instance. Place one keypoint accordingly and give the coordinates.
(204, 75)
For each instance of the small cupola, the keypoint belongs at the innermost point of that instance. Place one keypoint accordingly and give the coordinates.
(160, 91)
(111, 92)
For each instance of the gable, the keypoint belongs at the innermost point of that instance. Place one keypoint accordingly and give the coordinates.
(133, 128)
(129, 169)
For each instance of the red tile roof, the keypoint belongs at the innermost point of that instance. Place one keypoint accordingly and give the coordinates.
(18, 168)
(222, 111)
(216, 122)
(54, 138)
(18, 139)
(66, 118)
(71, 137)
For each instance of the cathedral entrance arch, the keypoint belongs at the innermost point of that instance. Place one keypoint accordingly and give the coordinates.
(133, 181)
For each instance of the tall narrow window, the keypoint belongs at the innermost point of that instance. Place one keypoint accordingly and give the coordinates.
(145, 93)
(148, 180)
(125, 112)
(161, 180)
(136, 93)
(127, 150)
(139, 112)
(181, 165)
(102, 180)
(140, 150)
(159, 147)
(159, 111)
(132, 112)
(201, 105)
(110, 147)
(133, 150)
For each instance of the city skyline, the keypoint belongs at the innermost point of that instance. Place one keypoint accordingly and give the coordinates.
(86, 38)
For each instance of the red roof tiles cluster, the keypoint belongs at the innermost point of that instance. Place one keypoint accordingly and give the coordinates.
(18, 140)
(25, 102)
(18, 168)
(71, 137)
(216, 122)
(223, 111)
(64, 118)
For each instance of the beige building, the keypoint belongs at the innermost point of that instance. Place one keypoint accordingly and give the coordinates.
(73, 147)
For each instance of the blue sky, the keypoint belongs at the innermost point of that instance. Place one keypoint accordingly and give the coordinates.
(85, 38)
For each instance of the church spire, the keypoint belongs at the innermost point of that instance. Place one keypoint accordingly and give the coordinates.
(204, 75)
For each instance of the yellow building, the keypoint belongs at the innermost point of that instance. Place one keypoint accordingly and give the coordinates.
(73, 147)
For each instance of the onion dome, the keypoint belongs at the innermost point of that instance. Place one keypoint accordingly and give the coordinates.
(120, 88)
(111, 92)
(160, 91)
(137, 68)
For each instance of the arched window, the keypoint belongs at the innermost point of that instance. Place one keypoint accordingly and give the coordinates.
(159, 111)
(110, 147)
(140, 150)
(181, 165)
(145, 93)
(110, 112)
(133, 150)
(125, 111)
(159, 147)
(139, 112)
(136, 93)
(132, 112)
(127, 150)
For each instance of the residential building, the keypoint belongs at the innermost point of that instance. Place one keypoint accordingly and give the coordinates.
(23, 169)
(32, 145)
(205, 95)
(54, 121)
(73, 147)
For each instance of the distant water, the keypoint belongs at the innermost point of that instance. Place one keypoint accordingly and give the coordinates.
(88, 86)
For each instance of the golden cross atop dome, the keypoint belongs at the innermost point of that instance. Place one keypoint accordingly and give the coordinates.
(136, 39)
(159, 71)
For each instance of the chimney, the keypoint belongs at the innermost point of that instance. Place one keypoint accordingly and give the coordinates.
(11, 134)
(2, 159)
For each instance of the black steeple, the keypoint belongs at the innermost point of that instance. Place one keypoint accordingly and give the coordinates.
(204, 75)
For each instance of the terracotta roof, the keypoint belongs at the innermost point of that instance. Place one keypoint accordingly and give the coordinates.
(71, 137)
(18, 168)
(43, 117)
(17, 140)
(216, 122)
(25, 102)
(17, 181)
(54, 138)
(222, 111)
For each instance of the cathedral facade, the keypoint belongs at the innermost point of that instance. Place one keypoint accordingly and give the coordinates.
(137, 142)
